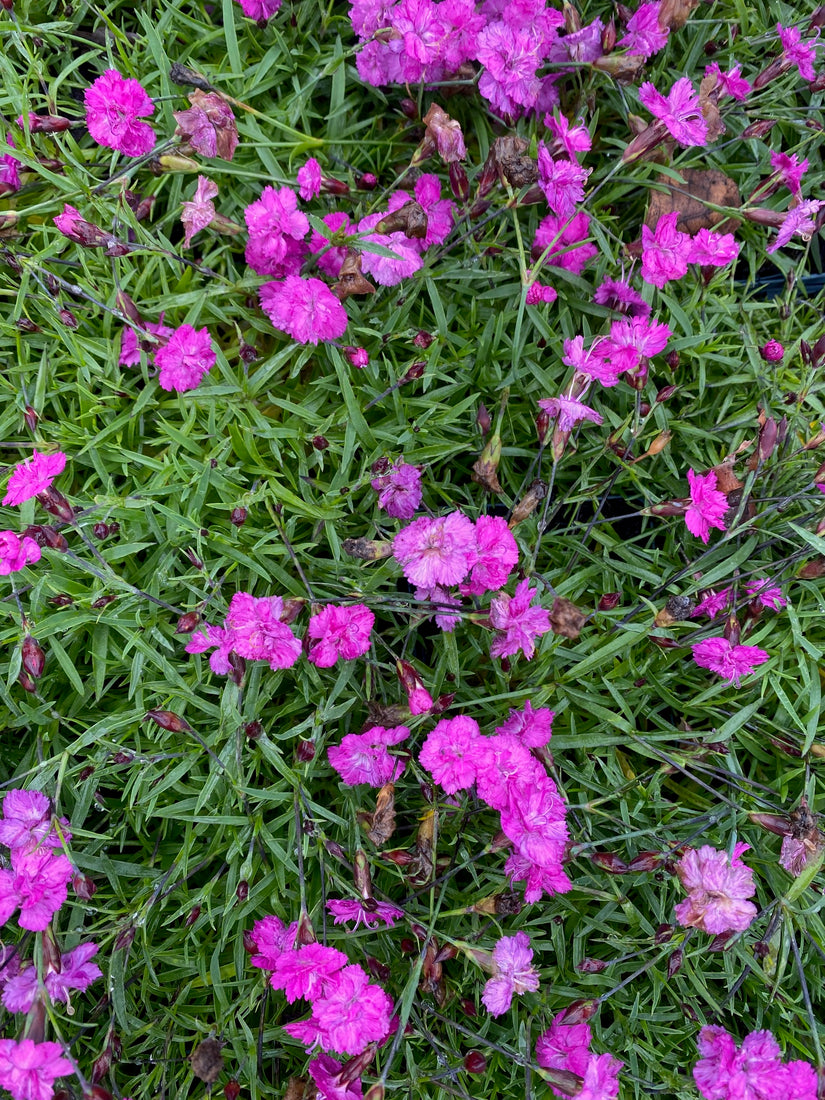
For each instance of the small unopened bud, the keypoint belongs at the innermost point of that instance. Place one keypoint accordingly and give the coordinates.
(475, 1062)
(320, 442)
(25, 325)
(67, 318)
(674, 963)
(459, 184)
(173, 162)
(33, 657)
(237, 517)
(579, 1012)
(253, 730)
(423, 339)
(376, 1092)
(187, 622)
(192, 916)
(665, 393)
(242, 890)
(31, 417)
(414, 372)
(486, 465)
(672, 359)
(483, 419)
(56, 504)
(528, 503)
(409, 108)
(249, 944)
(610, 862)
(609, 601)
(772, 352)
(367, 182)
(357, 356)
(84, 887)
(168, 720)
(102, 601)
(609, 36)
(591, 966)
(767, 439)
(125, 938)
(26, 682)
(305, 751)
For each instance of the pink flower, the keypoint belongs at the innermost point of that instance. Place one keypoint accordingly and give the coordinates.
(538, 880)
(644, 36)
(518, 624)
(276, 226)
(258, 632)
(436, 551)
(309, 971)
(185, 360)
(569, 412)
(352, 1014)
(17, 552)
(574, 139)
(564, 1046)
(731, 83)
(37, 885)
(130, 347)
(601, 1078)
(388, 270)
(562, 182)
(753, 1071)
(358, 357)
(366, 913)
(76, 972)
(767, 593)
(440, 212)
(399, 490)
(341, 632)
(497, 552)
(799, 222)
(718, 886)
(208, 125)
(665, 251)
(113, 106)
(208, 637)
(564, 237)
(450, 753)
(305, 309)
(619, 295)
(533, 728)
(259, 10)
(535, 819)
(731, 662)
(198, 213)
(511, 58)
(504, 766)
(364, 757)
(632, 342)
(28, 1070)
(9, 170)
(538, 292)
(772, 351)
(27, 822)
(309, 179)
(796, 52)
(330, 1080)
(708, 505)
(513, 973)
(680, 111)
(790, 171)
(713, 249)
(713, 604)
(34, 476)
(271, 938)
(330, 262)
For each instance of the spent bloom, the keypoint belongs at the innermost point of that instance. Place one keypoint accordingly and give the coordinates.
(768, 593)
(36, 884)
(340, 632)
(185, 360)
(513, 973)
(366, 913)
(34, 476)
(365, 757)
(708, 505)
(208, 125)
(718, 887)
(77, 971)
(517, 623)
(258, 632)
(752, 1071)
(200, 210)
(620, 295)
(305, 309)
(399, 490)
(114, 105)
(28, 1070)
(450, 753)
(16, 552)
(666, 251)
(679, 111)
(437, 551)
(731, 662)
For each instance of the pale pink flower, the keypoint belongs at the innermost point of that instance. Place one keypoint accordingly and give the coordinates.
(796, 52)
(340, 632)
(198, 213)
(17, 552)
(564, 237)
(533, 728)
(129, 341)
(208, 125)
(562, 182)
(353, 1014)
(271, 938)
(113, 106)
(366, 913)
(513, 973)
(28, 1070)
(569, 411)
(713, 603)
(645, 37)
(730, 83)
(619, 295)
(185, 360)
(718, 887)
(708, 505)
(753, 1071)
(437, 551)
(260, 10)
(276, 227)
(330, 1080)
(518, 623)
(497, 553)
(305, 309)
(680, 111)
(27, 822)
(36, 883)
(364, 757)
(209, 637)
(258, 632)
(309, 971)
(399, 490)
(713, 249)
(731, 662)
(450, 753)
(790, 170)
(76, 972)
(665, 251)
(309, 179)
(34, 476)
(798, 222)
(388, 270)
(768, 593)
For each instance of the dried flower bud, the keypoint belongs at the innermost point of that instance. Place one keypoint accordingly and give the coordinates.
(475, 1062)
(409, 108)
(320, 442)
(610, 862)
(350, 279)
(56, 504)
(237, 517)
(423, 339)
(33, 657)
(528, 503)
(167, 720)
(67, 318)
(367, 549)
(206, 1061)
(84, 887)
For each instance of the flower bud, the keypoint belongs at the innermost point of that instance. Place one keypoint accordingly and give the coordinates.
(459, 184)
(187, 622)
(55, 503)
(609, 601)
(237, 517)
(26, 682)
(609, 862)
(483, 419)
(320, 442)
(674, 963)
(167, 720)
(305, 751)
(249, 945)
(253, 730)
(192, 916)
(67, 318)
(367, 182)
(173, 162)
(125, 938)
(423, 339)
(665, 393)
(102, 601)
(591, 966)
(242, 890)
(33, 657)
(535, 494)
(772, 352)
(579, 1012)
(231, 1090)
(475, 1062)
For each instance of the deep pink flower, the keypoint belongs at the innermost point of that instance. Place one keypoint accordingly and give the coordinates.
(419, 701)
(562, 182)
(113, 106)
(798, 222)
(796, 52)
(601, 1078)
(504, 766)
(9, 170)
(593, 362)
(574, 139)
(129, 341)
(198, 213)
(341, 632)
(718, 887)
(540, 293)
(260, 10)
(535, 820)
(713, 249)
(258, 632)
(76, 972)
(731, 662)
(28, 1070)
(358, 357)
(533, 728)
(399, 490)
(730, 83)
(538, 879)
(185, 360)
(569, 411)
(450, 753)
(513, 973)
(680, 111)
(27, 822)
(329, 262)
(309, 971)
(440, 212)
(753, 1071)
(517, 622)
(510, 58)
(368, 914)
(208, 637)
(33, 476)
(790, 171)
(330, 1083)
(772, 351)
(645, 37)
(17, 552)
(583, 46)
(708, 505)
(208, 125)
(497, 553)
(436, 551)
(305, 309)
(271, 938)
(275, 223)
(353, 1013)
(564, 1046)
(713, 603)
(309, 179)
(37, 885)
(388, 270)
(768, 593)
(564, 237)
(633, 341)
(364, 757)
(618, 295)
(665, 251)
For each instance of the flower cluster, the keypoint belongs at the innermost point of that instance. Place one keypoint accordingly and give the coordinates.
(718, 887)
(754, 1069)
(565, 1045)
(37, 881)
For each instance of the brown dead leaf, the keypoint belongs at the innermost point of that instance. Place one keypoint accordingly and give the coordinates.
(566, 619)
(380, 825)
(675, 13)
(708, 97)
(726, 479)
(296, 1088)
(206, 1061)
(702, 185)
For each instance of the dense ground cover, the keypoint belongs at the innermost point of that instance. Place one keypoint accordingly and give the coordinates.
(539, 430)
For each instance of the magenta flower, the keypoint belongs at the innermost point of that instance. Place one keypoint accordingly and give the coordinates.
(562, 182)
(341, 632)
(113, 106)
(680, 111)
(271, 938)
(564, 1046)
(353, 1014)
(564, 237)
(208, 637)
(713, 603)
(796, 52)
(208, 125)
(309, 179)
(731, 662)
(665, 251)
(450, 753)
(9, 170)
(34, 476)
(644, 36)
(388, 270)
(330, 262)
(790, 171)
(258, 632)
(504, 766)
(753, 1071)
(436, 551)
(798, 222)
(17, 552)
(708, 505)
(538, 879)
(76, 972)
(27, 822)
(366, 913)
(276, 229)
(619, 295)
(130, 347)
(513, 973)
(305, 309)
(540, 293)
(399, 490)
(634, 341)
(533, 728)
(364, 757)
(497, 553)
(331, 1081)
(767, 593)
(772, 351)
(573, 139)
(601, 1078)
(260, 10)
(730, 83)
(198, 213)
(535, 820)
(185, 360)
(309, 971)
(517, 622)
(28, 1070)
(358, 357)
(37, 885)
(718, 888)
(511, 58)
(713, 249)
(569, 412)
